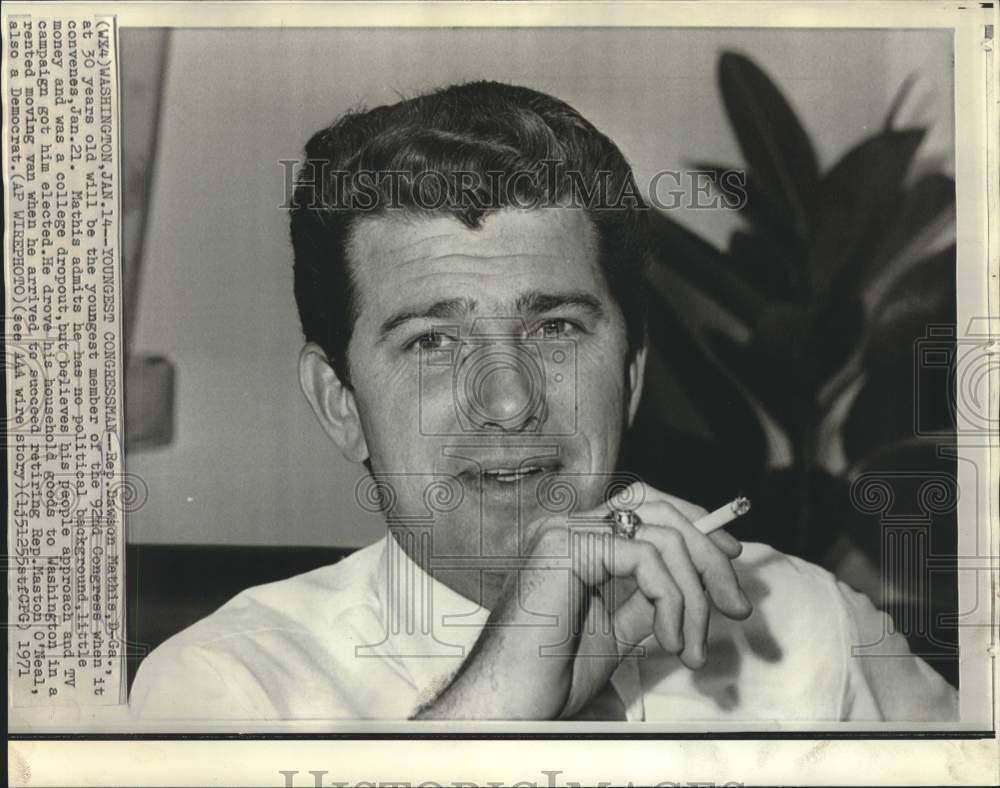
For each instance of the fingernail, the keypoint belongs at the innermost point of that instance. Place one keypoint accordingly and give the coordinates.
(698, 659)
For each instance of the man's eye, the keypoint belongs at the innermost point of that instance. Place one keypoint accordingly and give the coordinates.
(552, 329)
(432, 340)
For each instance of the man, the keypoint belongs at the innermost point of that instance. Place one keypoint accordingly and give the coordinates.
(469, 274)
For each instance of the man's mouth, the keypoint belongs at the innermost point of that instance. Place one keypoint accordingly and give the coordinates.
(511, 475)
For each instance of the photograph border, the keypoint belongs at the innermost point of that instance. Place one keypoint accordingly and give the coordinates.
(851, 754)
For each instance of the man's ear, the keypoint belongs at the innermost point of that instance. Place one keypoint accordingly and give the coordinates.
(332, 402)
(636, 376)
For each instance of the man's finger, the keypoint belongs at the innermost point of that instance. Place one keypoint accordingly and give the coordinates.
(643, 562)
(638, 493)
(633, 621)
(712, 563)
(672, 548)
(727, 543)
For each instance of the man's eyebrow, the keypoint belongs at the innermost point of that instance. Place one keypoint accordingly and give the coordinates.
(533, 303)
(447, 308)
(537, 302)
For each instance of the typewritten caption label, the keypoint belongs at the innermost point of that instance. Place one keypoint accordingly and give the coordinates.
(67, 494)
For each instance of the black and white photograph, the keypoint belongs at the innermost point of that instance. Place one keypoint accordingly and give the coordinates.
(554, 378)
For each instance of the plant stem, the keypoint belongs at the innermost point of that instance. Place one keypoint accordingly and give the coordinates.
(805, 462)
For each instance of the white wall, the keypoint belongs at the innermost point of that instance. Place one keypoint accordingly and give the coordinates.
(249, 463)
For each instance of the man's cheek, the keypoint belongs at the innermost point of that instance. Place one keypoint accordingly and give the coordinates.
(389, 367)
(433, 400)
(389, 402)
(599, 384)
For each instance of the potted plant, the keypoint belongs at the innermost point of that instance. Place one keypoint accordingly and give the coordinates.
(794, 347)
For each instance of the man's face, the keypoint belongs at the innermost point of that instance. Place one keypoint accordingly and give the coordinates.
(492, 358)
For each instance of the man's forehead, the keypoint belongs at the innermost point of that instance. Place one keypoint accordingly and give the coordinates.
(392, 241)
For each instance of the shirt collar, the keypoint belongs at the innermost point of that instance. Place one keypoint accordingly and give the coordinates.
(429, 627)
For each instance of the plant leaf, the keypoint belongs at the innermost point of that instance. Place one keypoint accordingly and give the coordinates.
(765, 372)
(717, 399)
(766, 266)
(893, 406)
(923, 296)
(775, 245)
(795, 349)
(716, 172)
(703, 265)
(857, 200)
(756, 205)
(773, 142)
(769, 219)
(894, 400)
(687, 465)
(925, 204)
(897, 102)
(835, 332)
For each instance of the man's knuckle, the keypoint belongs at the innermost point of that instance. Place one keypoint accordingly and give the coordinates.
(648, 552)
(718, 561)
(633, 491)
(698, 606)
(672, 591)
(673, 537)
(670, 508)
(719, 576)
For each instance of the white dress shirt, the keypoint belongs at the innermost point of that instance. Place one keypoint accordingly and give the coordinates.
(374, 637)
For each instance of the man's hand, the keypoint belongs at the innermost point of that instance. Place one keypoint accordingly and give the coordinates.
(576, 572)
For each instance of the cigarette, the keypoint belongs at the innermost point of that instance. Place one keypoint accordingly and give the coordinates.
(724, 515)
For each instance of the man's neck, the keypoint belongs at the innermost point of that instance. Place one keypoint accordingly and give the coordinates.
(481, 586)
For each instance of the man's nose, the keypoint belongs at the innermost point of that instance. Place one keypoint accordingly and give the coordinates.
(505, 393)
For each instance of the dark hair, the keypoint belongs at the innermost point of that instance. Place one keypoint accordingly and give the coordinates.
(457, 150)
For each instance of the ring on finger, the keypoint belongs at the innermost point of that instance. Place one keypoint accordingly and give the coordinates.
(624, 522)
